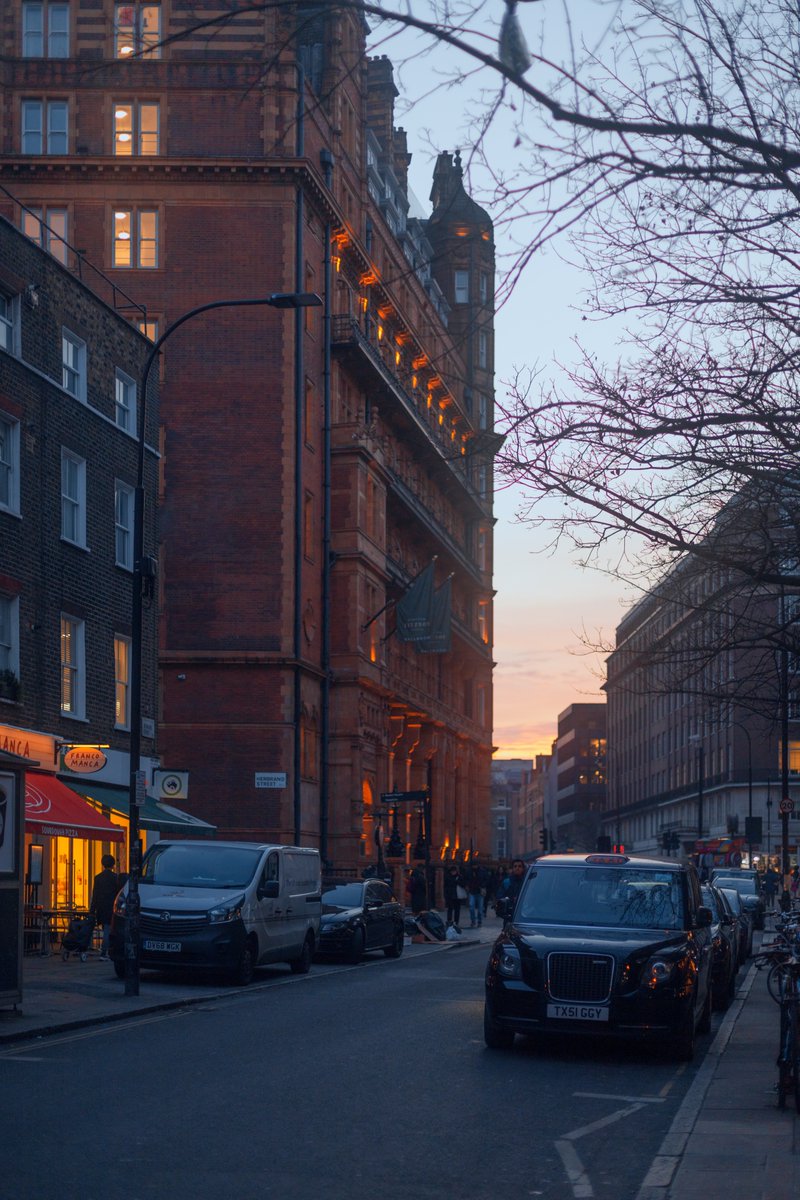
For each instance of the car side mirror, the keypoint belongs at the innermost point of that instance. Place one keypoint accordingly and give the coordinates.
(704, 917)
(725, 919)
(502, 908)
(269, 890)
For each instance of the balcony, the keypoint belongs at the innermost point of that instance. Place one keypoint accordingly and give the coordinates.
(407, 407)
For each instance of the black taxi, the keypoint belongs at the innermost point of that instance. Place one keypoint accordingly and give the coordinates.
(603, 945)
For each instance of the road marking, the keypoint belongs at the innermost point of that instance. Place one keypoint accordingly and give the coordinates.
(579, 1180)
(625, 1099)
(21, 1058)
(611, 1119)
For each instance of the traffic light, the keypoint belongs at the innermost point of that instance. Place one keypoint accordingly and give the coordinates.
(620, 849)
(543, 839)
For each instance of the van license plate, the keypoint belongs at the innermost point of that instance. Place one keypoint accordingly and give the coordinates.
(578, 1012)
(170, 947)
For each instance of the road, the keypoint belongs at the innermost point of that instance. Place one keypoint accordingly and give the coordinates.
(350, 1083)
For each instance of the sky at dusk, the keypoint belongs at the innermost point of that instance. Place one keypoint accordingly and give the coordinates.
(547, 608)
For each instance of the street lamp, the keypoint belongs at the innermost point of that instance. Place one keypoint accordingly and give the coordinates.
(144, 569)
(697, 740)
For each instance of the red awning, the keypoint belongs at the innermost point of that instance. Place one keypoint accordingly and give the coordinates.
(55, 810)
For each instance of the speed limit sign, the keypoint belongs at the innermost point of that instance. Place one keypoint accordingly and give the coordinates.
(786, 805)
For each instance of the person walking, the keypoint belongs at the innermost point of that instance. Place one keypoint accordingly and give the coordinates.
(454, 893)
(104, 892)
(476, 890)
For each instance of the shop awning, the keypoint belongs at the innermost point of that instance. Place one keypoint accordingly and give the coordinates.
(55, 810)
(162, 817)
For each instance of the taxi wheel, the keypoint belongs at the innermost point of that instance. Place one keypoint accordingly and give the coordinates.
(496, 1036)
(704, 1024)
(683, 1042)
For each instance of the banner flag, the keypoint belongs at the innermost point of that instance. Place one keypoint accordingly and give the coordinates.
(438, 640)
(414, 608)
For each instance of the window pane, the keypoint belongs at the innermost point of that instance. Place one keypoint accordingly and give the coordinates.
(57, 127)
(56, 234)
(71, 359)
(31, 127)
(122, 677)
(122, 238)
(125, 37)
(5, 633)
(69, 665)
(123, 520)
(32, 225)
(123, 129)
(6, 461)
(150, 29)
(58, 31)
(148, 239)
(125, 393)
(148, 129)
(6, 323)
(32, 31)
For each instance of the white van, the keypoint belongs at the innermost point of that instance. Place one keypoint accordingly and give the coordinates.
(227, 906)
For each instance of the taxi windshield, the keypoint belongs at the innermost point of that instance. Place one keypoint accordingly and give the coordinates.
(609, 897)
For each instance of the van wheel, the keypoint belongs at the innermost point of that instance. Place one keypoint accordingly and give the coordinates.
(245, 968)
(302, 964)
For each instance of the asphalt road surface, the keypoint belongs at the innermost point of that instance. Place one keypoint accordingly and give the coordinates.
(350, 1083)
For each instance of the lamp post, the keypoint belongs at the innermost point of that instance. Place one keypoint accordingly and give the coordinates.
(144, 569)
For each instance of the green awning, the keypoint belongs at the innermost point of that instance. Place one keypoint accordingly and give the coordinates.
(161, 817)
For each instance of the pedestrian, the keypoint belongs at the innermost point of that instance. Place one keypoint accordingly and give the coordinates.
(476, 890)
(418, 891)
(104, 892)
(770, 885)
(795, 883)
(511, 885)
(454, 893)
(786, 900)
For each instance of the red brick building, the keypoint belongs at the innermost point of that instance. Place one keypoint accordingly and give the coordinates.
(313, 461)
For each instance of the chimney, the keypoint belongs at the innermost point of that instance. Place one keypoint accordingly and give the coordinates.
(381, 93)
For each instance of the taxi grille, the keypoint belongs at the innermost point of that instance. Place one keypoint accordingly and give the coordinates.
(151, 925)
(582, 977)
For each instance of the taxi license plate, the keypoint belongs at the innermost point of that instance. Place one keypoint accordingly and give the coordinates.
(578, 1012)
(170, 947)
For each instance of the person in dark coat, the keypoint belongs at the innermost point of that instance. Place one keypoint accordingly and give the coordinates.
(104, 893)
(453, 881)
(511, 885)
(418, 891)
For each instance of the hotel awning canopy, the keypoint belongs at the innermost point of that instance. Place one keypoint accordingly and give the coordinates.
(162, 817)
(55, 810)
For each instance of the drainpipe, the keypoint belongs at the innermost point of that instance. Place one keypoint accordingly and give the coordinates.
(299, 374)
(326, 159)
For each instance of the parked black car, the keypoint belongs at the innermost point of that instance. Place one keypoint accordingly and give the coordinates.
(358, 916)
(744, 919)
(725, 948)
(748, 885)
(603, 944)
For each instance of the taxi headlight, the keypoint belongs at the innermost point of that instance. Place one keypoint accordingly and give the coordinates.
(509, 963)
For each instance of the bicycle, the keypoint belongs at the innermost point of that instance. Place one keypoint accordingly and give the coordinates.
(789, 1047)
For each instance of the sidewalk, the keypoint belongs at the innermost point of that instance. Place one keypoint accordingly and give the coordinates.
(58, 995)
(729, 1139)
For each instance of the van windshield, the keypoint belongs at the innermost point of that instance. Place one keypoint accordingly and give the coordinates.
(630, 899)
(211, 866)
